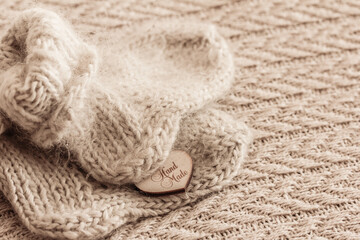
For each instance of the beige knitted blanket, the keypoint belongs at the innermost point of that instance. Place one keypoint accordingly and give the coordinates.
(297, 85)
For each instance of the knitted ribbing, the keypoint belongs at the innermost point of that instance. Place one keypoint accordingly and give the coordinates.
(76, 136)
(44, 68)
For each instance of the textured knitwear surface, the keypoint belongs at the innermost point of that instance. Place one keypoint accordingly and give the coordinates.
(296, 83)
(77, 133)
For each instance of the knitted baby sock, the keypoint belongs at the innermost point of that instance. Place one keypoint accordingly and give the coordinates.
(121, 126)
(119, 121)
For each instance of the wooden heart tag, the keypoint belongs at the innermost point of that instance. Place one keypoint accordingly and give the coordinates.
(173, 177)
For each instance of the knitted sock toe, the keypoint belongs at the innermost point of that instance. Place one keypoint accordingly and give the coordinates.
(160, 81)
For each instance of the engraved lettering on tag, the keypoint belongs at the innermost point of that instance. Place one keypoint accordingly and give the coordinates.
(174, 176)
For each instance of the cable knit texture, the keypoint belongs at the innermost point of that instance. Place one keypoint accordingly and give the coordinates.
(76, 136)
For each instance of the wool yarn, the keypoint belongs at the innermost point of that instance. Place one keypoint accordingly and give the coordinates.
(77, 131)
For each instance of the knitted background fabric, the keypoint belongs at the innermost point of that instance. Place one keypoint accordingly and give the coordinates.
(297, 85)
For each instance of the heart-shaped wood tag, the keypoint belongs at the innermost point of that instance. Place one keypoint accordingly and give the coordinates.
(173, 177)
